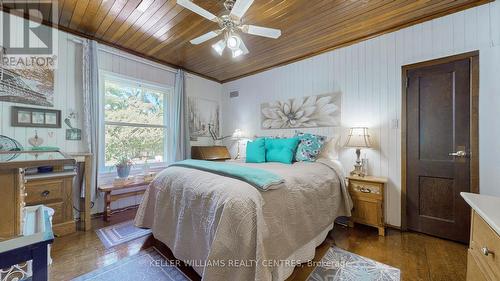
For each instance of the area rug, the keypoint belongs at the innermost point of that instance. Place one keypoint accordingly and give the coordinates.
(340, 265)
(147, 265)
(120, 233)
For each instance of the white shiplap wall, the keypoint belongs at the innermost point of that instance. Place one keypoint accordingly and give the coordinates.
(368, 75)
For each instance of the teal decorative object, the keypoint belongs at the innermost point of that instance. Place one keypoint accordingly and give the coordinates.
(45, 148)
(256, 151)
(281, 150)
(309, 146)
(259, 178)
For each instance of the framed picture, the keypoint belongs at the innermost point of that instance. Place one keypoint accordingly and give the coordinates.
(303, 112)
(50, 118)
(38, 118)
(30, 84)
(73, 134)
(24, 117)
(202, 114)
(35, 117)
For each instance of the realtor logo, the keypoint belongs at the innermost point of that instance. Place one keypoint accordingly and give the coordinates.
(25, 40)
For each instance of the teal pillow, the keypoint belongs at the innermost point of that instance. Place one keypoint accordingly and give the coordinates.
(256, 151)
(281, 150)
(309, 146)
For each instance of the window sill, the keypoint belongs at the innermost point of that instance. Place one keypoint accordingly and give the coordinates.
(109, 177)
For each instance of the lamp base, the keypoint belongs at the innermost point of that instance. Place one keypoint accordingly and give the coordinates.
(358, 170)
(358, 167)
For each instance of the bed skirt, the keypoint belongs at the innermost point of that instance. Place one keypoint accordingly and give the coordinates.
(305, 254)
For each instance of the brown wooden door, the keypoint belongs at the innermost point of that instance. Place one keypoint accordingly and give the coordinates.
(438, 123)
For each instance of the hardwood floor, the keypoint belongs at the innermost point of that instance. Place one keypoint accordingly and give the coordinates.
(419, 256)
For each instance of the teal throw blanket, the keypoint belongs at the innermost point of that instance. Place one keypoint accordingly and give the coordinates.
(259, 178)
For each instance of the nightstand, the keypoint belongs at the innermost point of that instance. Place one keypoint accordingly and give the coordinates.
(367, 194)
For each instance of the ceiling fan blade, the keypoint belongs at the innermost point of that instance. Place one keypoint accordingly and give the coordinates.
(261, 31)
(241, 7)
(205, 37)
(197, 9)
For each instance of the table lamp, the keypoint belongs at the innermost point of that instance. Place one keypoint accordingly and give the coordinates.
(358, 138)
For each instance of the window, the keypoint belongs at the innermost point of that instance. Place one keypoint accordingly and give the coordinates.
(134, 122)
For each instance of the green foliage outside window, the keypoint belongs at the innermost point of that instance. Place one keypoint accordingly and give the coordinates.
(128, 112)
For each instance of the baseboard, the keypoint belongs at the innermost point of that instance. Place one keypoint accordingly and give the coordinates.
(119, 210)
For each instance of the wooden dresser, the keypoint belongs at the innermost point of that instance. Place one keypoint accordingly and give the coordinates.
(483, 259)
(52, 189)
(210, 153)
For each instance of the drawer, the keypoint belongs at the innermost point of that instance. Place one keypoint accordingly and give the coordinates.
(367, 212)
(58, 212)
(483, 237)
(359, 187)
(44, 191)
(474, 273)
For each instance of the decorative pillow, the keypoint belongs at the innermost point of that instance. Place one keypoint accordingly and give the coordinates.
(329, 150)
(281, 150)
(309, 146)
(256, 151)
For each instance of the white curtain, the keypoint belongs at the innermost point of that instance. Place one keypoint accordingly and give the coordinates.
(91, 107)
(179, 148)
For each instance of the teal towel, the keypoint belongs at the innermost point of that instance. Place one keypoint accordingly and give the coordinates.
(259, 178)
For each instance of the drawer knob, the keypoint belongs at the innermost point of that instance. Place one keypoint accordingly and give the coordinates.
(486, 251)
(45, 193)
(365, 190)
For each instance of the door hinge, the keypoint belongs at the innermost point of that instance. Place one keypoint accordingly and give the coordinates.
(407, 82)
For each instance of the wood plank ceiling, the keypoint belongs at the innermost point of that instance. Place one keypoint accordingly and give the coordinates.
(162, 32)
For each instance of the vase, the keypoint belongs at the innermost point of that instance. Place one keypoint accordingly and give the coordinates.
(123, 171)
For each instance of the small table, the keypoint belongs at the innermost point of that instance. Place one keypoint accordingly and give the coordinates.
(367, 194)
(30, 247)
(108, 188)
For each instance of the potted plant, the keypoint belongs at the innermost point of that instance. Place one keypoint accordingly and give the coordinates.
(123, 167)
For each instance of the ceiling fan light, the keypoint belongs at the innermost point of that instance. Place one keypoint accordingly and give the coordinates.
(233, 42)
(219, 47)
(237, 53)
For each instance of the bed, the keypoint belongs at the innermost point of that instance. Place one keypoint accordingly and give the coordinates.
(227, 229)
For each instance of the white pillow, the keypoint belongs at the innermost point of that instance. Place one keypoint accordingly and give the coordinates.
(330, 149)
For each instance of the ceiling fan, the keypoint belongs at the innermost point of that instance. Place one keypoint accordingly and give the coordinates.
(230, 25)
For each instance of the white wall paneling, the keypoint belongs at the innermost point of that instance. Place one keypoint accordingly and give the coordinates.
(368, 74)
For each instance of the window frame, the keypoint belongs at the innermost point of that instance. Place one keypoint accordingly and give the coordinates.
(131, 81)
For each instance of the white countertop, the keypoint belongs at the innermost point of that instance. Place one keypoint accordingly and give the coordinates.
(488, 207)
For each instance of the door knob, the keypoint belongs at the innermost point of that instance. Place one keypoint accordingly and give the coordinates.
(459, 153)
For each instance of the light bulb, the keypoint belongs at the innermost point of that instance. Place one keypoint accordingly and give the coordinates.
(233, 42)
(237, 53)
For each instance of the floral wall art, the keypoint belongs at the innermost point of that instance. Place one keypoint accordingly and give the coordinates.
(304, 112)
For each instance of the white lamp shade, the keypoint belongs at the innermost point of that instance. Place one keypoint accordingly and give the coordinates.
(358, 137)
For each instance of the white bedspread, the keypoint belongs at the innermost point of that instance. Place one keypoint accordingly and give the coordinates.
(228, 230)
